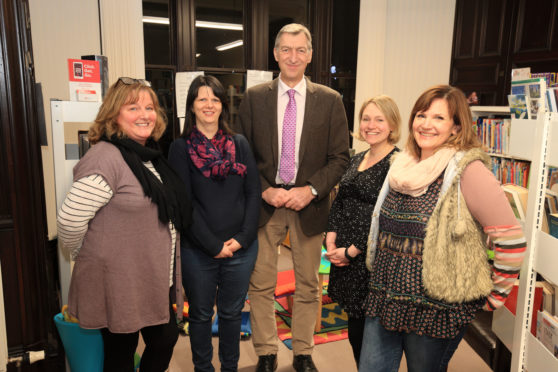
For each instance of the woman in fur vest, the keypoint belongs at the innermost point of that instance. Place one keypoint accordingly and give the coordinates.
(427, 251)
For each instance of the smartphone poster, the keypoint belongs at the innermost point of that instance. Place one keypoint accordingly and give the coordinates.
(84, 80)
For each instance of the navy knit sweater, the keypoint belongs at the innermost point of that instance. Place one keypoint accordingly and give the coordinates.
(222, 209)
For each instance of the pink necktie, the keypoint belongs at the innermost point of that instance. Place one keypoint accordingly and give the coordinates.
(287, 161)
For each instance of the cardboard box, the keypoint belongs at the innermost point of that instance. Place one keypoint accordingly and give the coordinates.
(547, 331)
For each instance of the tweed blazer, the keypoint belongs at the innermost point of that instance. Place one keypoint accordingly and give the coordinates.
(323, 150)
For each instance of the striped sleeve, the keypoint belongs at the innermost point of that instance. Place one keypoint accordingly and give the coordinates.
(489, 206)
(86, 197)
(508, 244)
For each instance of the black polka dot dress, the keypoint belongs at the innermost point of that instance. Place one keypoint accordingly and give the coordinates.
(350, 217)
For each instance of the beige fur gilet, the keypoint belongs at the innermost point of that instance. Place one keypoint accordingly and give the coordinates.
(455, 263)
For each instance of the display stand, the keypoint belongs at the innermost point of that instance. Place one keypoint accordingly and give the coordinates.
(530, 139)
(67, 118)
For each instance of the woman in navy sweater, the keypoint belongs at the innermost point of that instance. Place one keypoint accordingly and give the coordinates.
(219, 252)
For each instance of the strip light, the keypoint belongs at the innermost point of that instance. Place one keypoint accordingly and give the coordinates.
(219, 25)
(233, 44)
(157, 20)
(201, 24)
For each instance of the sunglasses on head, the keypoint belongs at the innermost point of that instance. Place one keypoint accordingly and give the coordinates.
(130, 81)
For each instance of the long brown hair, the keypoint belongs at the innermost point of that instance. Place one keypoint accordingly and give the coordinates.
(118, 95)
(459, 111)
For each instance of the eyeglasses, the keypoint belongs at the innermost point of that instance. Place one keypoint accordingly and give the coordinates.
(130, 81)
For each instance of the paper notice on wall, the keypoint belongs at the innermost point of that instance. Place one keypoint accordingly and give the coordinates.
(85, 80)
(182, 84)
(255, 77)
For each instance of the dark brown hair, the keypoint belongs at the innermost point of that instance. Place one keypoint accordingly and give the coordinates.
(218, 91)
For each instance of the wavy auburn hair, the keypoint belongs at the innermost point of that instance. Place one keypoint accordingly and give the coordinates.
(458, 110)
(118, 95)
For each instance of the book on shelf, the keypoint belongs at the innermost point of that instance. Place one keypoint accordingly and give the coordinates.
(549, 77)
(552, 179)
(519, 104)
(550, 204)
(548, 297)
(553, 224)
(551, 99)
(494, 134)
(511, 171)
(517, 197)
(535, 90)
(521, 73)
(550, 207)
(553, 195)
(511, 303)
(547, 331)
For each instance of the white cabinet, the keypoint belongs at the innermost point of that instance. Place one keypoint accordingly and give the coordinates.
(532, 140)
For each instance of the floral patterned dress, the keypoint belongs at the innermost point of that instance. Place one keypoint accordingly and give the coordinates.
(396, 292)
(350, 218)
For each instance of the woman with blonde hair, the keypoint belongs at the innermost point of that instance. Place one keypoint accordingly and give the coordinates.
(121, 222)
(349, 218)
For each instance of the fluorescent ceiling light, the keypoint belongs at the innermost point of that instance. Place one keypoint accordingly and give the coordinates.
(201, 24)
(219, 25)
(158, 20)
(234, 44)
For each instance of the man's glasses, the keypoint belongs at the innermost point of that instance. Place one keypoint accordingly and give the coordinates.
(130, 81)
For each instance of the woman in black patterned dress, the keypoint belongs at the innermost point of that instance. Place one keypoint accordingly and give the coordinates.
(349, 219)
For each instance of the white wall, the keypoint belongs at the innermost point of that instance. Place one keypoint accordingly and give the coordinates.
(404, 47)
(62, 29)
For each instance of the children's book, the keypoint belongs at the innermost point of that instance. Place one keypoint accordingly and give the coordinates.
(518, 105)
(535, 89)
(517, 197)
(553, 224)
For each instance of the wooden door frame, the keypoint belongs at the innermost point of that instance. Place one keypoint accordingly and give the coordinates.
(29, 271)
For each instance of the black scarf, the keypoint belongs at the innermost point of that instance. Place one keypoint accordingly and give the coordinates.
(173, 204)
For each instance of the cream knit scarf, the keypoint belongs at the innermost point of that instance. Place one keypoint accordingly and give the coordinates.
(410, 176)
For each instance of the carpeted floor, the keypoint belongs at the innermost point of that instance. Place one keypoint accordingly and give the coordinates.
(334, 322)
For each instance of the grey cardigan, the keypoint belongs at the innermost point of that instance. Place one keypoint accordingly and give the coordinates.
(121, 276)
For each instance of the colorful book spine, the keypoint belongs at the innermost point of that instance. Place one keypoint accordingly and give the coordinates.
(494, 134)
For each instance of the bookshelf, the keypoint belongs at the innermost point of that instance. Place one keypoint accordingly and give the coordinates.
(504, 143)
(530, 139)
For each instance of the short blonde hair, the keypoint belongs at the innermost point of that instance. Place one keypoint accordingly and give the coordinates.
(389, 109)
(458, 110)
(294, 29)
(118, 95)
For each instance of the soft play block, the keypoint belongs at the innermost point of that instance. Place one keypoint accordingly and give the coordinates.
(285, 283)
(245, 327)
